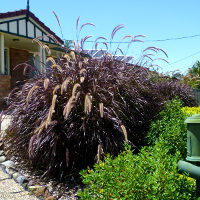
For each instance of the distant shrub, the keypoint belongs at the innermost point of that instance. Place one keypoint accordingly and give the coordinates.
(171, 88)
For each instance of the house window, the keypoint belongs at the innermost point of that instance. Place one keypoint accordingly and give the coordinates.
(6, 61)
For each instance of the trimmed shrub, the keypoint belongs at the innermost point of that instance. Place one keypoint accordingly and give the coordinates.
(170, 125)
(151, 174)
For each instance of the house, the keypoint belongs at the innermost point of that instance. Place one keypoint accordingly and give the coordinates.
(17, 31)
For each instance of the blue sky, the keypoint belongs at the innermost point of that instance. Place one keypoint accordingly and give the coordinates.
(156, 19)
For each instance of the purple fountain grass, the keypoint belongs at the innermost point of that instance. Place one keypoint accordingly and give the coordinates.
(63, 119)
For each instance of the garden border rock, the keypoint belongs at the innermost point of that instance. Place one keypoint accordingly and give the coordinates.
(41, 191)
(15, 170)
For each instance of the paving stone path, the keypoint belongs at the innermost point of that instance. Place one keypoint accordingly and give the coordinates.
(10, 190)
(12, 180)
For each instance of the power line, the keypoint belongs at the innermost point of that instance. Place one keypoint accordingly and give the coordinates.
(183, 58)
(158, 40)
(177, 38)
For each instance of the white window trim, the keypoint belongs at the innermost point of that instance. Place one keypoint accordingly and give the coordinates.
(7, 59)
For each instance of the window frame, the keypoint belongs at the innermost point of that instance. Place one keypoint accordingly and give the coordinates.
(7, 60)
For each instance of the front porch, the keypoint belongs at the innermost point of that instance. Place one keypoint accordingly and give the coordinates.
(17, 31)
(14, 51)
(5, 87)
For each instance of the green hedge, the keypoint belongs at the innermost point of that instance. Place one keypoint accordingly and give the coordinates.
(170, 125)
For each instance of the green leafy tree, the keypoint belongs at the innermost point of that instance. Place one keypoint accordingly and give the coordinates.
(195, 70)
(193, 76)
(69, 44)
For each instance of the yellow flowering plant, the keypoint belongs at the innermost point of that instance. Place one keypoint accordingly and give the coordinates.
(191, 110)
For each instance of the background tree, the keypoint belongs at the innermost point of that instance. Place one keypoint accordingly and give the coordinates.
(195, 70)
(69, 44)
(192, 78)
